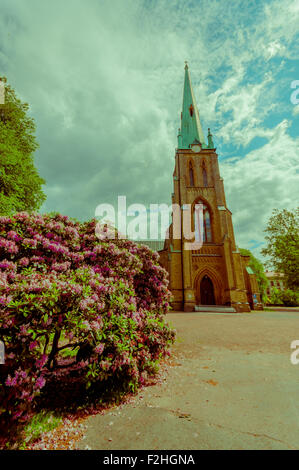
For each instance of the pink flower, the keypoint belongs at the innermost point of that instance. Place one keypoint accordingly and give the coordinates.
(33, 345)
(40, 383)
(14, 236)
(30, 242)
(99, 348)
(3, 300)
(42, 361)
(95, 325)
(105, 365)
(5, 220)
(24, 261)
(11, 356)
(11, 382)
(60, 267)
(9, 246)
(23, 374)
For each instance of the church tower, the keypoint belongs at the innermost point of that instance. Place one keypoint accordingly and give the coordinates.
(216, 273)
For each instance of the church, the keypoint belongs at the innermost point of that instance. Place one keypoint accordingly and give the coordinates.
(213, 275)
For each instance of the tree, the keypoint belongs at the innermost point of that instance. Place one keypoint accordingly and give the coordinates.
(285, 297)
(20, 184)
(258, 269)
(283, 244)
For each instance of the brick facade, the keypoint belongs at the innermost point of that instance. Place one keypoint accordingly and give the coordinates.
(217, 273)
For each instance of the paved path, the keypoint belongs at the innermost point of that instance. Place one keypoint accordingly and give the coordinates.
(230, 385)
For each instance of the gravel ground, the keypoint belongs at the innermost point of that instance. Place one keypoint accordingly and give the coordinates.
(229, 384)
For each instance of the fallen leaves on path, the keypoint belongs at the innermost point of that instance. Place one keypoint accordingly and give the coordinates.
(73, 428)
(212, 382)
(64, 437)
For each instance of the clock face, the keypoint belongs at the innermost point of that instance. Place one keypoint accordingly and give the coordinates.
(196, 148)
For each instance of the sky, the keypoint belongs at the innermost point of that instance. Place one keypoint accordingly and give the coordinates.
(104, 80)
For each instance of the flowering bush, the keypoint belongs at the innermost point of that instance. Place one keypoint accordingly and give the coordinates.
(76, 308)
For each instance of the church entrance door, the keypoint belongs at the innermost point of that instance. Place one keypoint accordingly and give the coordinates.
(207, 296)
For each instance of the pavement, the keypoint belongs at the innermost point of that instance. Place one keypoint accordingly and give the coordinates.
(229, 384)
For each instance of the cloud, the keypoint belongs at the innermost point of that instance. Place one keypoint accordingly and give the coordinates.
(247, 107)
(105, 79)
(296, 110)
(274, 48)
(264, 179)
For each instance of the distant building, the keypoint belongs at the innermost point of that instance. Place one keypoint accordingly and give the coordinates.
(276, 280)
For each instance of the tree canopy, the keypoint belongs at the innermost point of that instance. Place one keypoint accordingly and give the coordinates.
(258, 269)
(283, 244)
(20, 183)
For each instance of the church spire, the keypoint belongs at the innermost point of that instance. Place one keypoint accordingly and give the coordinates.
(210, 140)
(190, 126)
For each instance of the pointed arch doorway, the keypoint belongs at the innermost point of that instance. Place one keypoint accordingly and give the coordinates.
(207, 296)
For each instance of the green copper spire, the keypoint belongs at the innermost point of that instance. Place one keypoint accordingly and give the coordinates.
(190, 126)
(210, 140)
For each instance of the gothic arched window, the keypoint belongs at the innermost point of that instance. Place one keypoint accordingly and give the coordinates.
(191, 174)
(204, 175)
(202, 224)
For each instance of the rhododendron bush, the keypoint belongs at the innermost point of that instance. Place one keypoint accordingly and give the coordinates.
(75, 308)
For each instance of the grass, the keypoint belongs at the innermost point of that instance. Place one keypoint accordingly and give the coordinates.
(42, 422)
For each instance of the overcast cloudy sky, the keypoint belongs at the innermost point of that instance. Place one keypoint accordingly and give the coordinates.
(105, 78)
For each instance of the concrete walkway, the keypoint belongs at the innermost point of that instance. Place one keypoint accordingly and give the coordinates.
(230, 385)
